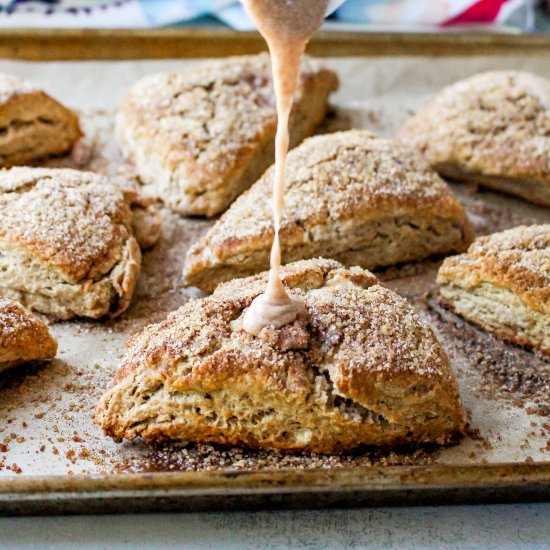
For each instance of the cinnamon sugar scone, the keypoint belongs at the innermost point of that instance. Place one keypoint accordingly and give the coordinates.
(492, 128)
(67, 246)
(349, 196)
(359, 368)
(33, 125)
(23, 337)
(201, 136)
(502, 284)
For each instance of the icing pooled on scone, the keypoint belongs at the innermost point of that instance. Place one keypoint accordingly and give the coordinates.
(287, 28)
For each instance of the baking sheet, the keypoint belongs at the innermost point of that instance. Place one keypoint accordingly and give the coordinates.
(45, 416)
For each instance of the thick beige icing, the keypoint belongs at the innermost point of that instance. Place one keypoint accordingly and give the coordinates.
(287, 26)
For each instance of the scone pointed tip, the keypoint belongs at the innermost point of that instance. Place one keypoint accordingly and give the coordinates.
(23, 336)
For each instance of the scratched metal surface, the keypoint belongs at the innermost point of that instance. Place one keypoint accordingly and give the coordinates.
(46, 411)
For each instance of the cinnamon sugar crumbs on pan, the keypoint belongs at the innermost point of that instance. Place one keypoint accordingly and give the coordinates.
(208, 457)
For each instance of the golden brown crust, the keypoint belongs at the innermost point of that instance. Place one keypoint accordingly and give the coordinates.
(342, 190)
(493, 128)
(361, 369)
(517, 259)
(67, 242)
(51, 213)
(23, 337)
(201, 136)
(33, 125)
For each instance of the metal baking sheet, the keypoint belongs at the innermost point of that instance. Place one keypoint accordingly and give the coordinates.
(53, 459)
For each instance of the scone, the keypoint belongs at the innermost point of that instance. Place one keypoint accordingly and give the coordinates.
(201, 136)
(502, 285)
(492, 129)
(23, 337)
(33, 125)
(350, 196)
(359, 369)
(67, 246)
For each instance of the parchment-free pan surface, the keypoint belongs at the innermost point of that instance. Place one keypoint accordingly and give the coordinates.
(46, 410)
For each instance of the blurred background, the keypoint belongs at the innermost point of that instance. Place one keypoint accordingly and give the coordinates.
(512, 16)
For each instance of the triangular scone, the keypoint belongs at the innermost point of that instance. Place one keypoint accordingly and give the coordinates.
(67, 246)
(492, 128)
(23, 337)
(359, 369)
(33, 125)
(502, 284)
(201, 136)
(349, 196)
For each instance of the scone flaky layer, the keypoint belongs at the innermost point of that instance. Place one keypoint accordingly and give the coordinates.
(503, 284)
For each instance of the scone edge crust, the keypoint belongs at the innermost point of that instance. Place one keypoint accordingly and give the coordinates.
(517, 259)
